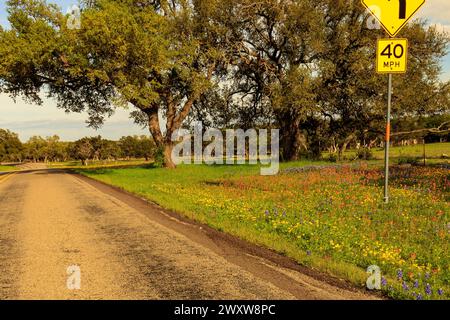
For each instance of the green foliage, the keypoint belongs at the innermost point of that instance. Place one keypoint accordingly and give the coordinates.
(158, 157)
(364, 154)
(137, 147)
(295, 65)
(408, 160)
(158, 57)
(11, 148)
(333, 157)
(51, 149)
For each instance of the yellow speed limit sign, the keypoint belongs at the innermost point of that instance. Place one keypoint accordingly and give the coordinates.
(392, 55)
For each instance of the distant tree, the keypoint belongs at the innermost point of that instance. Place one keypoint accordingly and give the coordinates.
(55, 150)
(146, 147)
(137, 147)
(11, 149)
(128, 146)
(110, 150)
(36, 149)
(83, 150)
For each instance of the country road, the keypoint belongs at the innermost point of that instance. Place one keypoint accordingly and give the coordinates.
(128, 249)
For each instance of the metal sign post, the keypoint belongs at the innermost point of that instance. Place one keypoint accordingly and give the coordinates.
(388, 141)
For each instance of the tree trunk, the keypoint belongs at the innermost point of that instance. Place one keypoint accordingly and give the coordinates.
(168, 162)
(292, 142)
(343, 147)
(161, 142)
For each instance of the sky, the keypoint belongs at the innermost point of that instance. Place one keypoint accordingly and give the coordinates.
(46, 120)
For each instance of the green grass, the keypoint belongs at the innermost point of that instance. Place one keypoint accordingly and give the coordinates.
(97, 164)
(333, 220)
(433, 151)
(7, 168)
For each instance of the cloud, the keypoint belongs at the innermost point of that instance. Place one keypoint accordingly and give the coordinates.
(28, 120)
(437, 11)
(70, 130)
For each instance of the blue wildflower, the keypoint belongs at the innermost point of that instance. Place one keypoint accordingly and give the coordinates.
(405, 286)
(399, 274)
(416, 284)
(440, 292)
(383, 281)
(428, 290)
(419, 297)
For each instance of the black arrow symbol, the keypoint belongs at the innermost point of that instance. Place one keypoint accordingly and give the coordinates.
(402, 14)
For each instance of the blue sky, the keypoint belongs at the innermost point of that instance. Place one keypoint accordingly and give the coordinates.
(46, 120)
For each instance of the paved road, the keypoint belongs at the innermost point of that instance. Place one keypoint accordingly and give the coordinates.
(125, 249)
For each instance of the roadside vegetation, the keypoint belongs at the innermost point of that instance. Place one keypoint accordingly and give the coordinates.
(99, 164)
(433, 151)
(333, 219)
(7, 168)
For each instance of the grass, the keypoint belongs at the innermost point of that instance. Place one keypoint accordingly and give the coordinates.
(433, 151)
(332, 220)
(7, 168)
(97, 164)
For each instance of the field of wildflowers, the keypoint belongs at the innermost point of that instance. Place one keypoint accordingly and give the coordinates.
(333, 219)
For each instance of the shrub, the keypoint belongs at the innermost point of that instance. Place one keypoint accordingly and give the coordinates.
(158, 157)
(333, 157)
(364, 154)
(408, 160)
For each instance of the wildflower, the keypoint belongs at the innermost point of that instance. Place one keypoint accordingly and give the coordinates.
(419, 297)
(440, 292)
(399, 274)
(267, 213)
(405, 286)
(427, 276)
(428, 290)
(416, 284)
(383, 281)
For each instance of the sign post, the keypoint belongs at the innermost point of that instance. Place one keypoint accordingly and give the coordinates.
(388, 141)
(392, 54)
(391, 58)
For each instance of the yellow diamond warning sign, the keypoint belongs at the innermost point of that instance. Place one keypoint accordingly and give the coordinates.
(392, 55)
(393, 14)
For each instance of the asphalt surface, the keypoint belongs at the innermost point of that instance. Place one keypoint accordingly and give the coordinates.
(125, 248)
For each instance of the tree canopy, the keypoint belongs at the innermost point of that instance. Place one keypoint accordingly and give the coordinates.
(305, 66)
